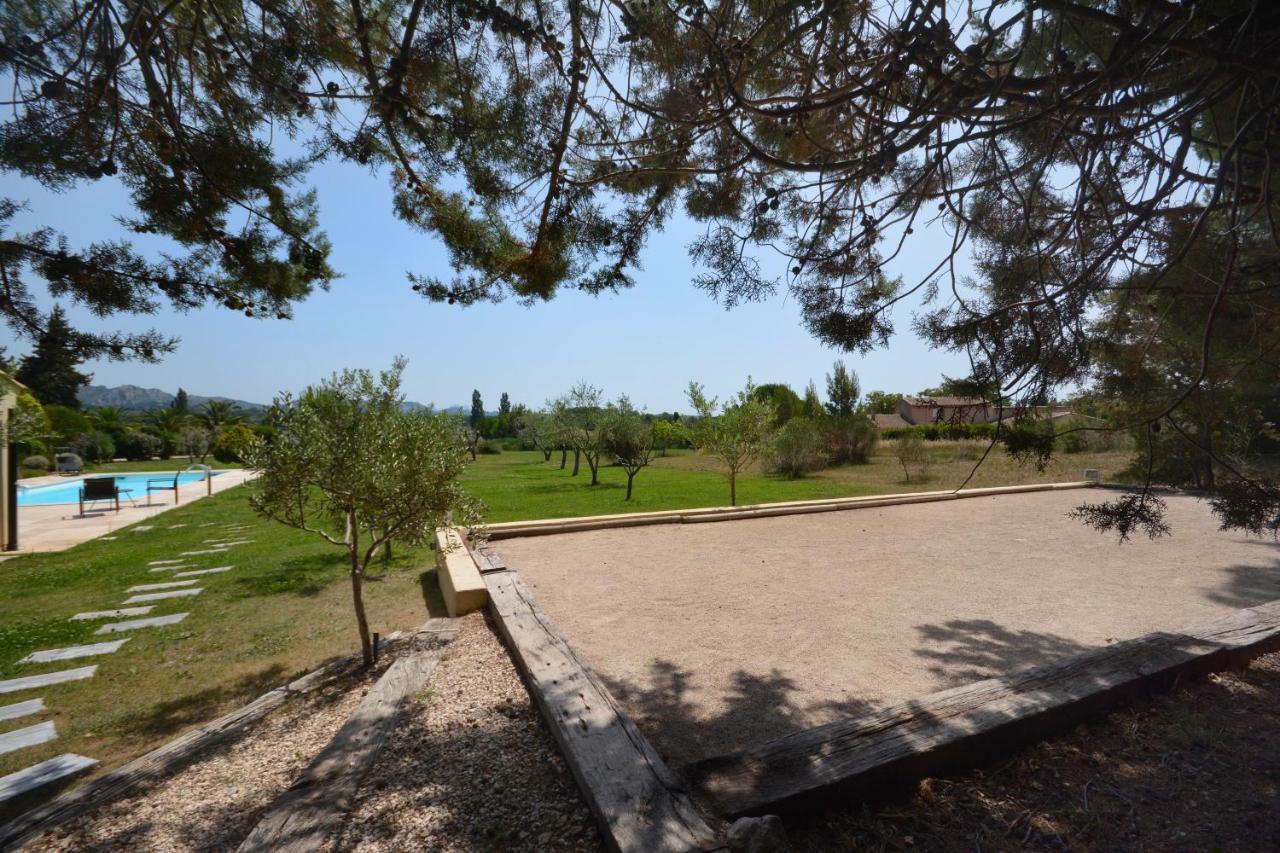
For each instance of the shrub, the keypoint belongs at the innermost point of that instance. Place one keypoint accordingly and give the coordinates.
(96, 446)
(850, 439)
(36, 463)
(233, 442)
(137, 445)
(913, 456)
(797, 449)
(489, 446)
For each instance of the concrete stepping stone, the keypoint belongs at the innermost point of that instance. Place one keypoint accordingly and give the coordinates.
(149, 587)
(73, 652)
(176, 526)
(172, 568)
(207, 524)
(21, 709)
(39, 775)
(165, 562)
(202, 553)
(44, 679)
(161, 596)
(214, 571)
(108, 538)
(149, 622)
(142, 528)
(29, 736)
(113, 614)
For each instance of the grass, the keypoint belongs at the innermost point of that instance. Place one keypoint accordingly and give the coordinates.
(283, 610)
(519, 485)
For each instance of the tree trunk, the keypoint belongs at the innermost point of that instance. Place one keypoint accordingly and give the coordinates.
(630, 476)
(357, 598)
(594, 464)
(546, 455)
(733, 488)
(564, 456)
(577, 455)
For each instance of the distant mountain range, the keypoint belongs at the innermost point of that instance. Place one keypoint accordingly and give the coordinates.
(131, 398)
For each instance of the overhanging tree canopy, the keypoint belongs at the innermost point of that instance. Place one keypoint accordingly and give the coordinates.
(1078, 148)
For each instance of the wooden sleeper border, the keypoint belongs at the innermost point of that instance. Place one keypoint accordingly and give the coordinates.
(545, 527)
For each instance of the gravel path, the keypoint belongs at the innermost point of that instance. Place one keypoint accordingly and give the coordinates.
(213, 803)
(471, 767)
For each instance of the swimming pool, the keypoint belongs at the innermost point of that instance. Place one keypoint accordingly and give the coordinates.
(68, 491)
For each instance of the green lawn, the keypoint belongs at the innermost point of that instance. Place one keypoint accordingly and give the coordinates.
(284, 609)
(519, 485)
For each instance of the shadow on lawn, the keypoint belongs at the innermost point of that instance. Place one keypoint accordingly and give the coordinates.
(165, 718)
(759, 707)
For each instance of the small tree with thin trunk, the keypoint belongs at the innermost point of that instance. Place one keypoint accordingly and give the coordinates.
(349, 465)
(629, 439)
(585, 418)
(737, 435)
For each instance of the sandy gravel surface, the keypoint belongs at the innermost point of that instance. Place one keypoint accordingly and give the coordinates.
(212, 804)
(471, 767)
(717, 636)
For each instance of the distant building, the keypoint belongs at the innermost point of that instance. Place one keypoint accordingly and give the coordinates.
(917, 409)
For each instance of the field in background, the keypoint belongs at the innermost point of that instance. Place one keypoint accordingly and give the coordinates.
(518, 485)
(283, 610)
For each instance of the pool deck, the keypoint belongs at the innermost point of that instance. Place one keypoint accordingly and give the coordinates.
(60, 526)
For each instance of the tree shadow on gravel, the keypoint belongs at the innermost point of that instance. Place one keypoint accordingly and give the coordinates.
(1248, 585)
(968, 650)
(759, 707)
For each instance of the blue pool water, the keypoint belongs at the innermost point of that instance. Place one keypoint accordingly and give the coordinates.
(68, 491)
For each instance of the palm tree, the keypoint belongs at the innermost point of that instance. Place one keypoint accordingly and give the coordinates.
(108, 419)
(167, 424)
(215, 414)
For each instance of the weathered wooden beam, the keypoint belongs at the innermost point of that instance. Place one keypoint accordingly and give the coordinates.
(314, 805)
(164, 759)
(638, 802)
(966, 726)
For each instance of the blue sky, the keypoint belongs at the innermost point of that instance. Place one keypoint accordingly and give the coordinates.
(647, 342)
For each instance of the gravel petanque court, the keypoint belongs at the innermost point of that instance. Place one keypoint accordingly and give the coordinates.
(717, 636)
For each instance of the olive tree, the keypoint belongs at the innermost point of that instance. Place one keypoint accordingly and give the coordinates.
(349, 465)
(629, 439)
(736, 435)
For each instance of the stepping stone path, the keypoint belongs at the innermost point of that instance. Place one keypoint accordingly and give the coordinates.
(149, 622)
(29, 736)
(147, 587)
(160, 596)
(21, 709)
(68, 764)
(27, 682)
(112, 614)
(215, 571)
(39, 775)
(73, 652)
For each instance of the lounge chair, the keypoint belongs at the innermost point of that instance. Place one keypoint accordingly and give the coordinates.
(163, 484)
(68, 463)
(99, 489)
